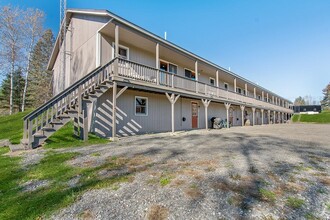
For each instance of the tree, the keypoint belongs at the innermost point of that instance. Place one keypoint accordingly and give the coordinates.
(299, 101)
(40, 81)
(326, 99)
(33, 20)
(17, 92)
(10, 44)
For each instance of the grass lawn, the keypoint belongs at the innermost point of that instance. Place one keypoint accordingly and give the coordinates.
(323, 117)
(11, 127)
(65, 138)
(17, 203)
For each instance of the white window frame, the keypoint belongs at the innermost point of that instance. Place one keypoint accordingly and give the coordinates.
(211, 78)
(122, 46)
(224, 86)
(147, 106)
(168, 66)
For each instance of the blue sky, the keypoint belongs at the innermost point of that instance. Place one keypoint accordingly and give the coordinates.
(282, 45)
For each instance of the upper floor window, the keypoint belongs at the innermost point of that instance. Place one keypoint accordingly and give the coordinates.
(189, 74)
(123, 52)
(239, 90)
(259, 97)
(244, 92)
(212, 81)
(226, 86)
(141, 106)
(168, 67)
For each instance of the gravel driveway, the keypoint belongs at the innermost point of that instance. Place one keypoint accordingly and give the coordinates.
(260, 172)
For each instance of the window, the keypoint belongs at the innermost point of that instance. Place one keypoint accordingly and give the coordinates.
(244, 92)
(226, 86)
(259, 97)
(239, 90)
(168, 67)
(123, 51)
(212, 81)
(189, 74)
(141, 106)
(172, 68)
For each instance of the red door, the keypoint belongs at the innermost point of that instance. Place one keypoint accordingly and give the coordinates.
(194, 115)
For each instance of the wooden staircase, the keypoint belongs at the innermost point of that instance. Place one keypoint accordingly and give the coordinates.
(67, 105)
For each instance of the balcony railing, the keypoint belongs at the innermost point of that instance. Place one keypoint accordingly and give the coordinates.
(136, 71)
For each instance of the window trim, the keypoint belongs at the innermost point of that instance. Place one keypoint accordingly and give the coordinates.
(224, 86)
(122, 46)
(147, 106)
(237, 88)
(213, 80)
(191, 72)
(168, 66)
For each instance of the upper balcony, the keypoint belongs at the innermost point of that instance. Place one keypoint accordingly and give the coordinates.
(151, 61)
(143, 75)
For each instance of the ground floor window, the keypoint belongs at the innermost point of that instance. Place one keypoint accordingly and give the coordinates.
(141, 106)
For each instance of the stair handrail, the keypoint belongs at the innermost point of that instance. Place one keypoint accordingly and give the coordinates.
(71, 88)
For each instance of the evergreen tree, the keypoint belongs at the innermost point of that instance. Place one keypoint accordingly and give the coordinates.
(40, 86)
(18, 81)
(326, 100)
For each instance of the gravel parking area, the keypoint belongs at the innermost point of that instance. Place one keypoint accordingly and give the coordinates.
(260, 172)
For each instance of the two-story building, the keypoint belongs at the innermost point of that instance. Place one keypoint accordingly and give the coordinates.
(107, 68)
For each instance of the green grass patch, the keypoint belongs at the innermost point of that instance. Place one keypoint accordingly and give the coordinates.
(165, 181)
(42, 202)
(295, 118)
(11, 127)
(322, 118)
(64, 138)
(328, 206)
(295, 203)
(267, 195)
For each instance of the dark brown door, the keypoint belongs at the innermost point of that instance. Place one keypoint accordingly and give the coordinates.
(194, 115)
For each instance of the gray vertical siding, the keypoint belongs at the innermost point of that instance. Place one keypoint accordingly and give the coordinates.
(80, 50)
(159, 114)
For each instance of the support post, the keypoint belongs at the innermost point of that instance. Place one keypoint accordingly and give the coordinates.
(227, 105)
(262, 116)
(114, 111)
(172, 100)
(206, 105)
(267, 97)
(255, 92)
(235, 86)
(217, 78)
(116, 66)
(196, 75)
(262, 96)
(246, 91)
(242, 110)
(253, 116)
(157, 62)
(84, 122)
(274, 120)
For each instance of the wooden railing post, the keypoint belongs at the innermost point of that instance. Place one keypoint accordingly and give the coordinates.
(30, 130)
(172, 77)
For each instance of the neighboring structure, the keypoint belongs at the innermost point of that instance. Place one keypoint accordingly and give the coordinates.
(307, 109)
(117, 70)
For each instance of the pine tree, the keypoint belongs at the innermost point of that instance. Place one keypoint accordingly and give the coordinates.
(18, 82)
(40, 79)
